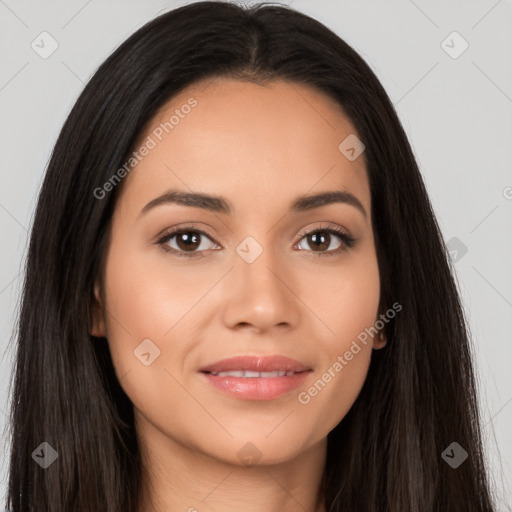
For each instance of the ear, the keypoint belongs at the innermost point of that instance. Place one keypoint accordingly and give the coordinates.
(379, 341)
(97, 329)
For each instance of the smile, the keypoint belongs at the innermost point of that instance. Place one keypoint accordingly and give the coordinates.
(251, 377)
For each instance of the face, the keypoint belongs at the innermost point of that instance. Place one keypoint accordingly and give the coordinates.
(257, 271)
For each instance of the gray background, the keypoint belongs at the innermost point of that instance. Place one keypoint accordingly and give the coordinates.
(456, 111)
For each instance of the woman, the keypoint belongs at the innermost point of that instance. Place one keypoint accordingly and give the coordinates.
(183, 342)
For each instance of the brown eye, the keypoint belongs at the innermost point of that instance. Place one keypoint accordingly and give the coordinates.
(186, 242)
(319, 241)
(323, 241)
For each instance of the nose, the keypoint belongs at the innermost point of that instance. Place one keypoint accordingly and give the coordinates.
(261, 296)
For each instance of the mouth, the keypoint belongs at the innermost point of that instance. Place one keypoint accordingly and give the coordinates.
(256, 364)
(252, 375)
(256, 377)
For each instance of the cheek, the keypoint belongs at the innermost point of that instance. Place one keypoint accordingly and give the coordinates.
(146, 309)
(348, 308)
(147, 296)
(337, 381)
(138, 308)
(346, 299)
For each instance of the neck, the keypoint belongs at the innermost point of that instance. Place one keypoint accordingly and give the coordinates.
(177, 477)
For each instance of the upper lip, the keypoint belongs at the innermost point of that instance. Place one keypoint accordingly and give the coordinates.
(256, 364)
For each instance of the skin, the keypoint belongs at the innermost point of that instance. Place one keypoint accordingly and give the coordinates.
(260, 147)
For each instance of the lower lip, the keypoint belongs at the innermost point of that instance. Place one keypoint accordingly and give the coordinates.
(256, 388)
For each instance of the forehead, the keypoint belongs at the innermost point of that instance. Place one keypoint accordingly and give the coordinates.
(260, 144)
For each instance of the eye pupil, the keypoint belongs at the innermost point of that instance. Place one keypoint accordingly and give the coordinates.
(188, 240)
(318, 240)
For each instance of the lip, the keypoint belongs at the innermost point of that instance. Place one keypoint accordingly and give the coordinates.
(256, 364)
(256, 387)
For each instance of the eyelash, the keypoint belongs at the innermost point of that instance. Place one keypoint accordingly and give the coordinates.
(347, 240)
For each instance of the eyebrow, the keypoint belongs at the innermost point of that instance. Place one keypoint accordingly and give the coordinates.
(221, 205)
